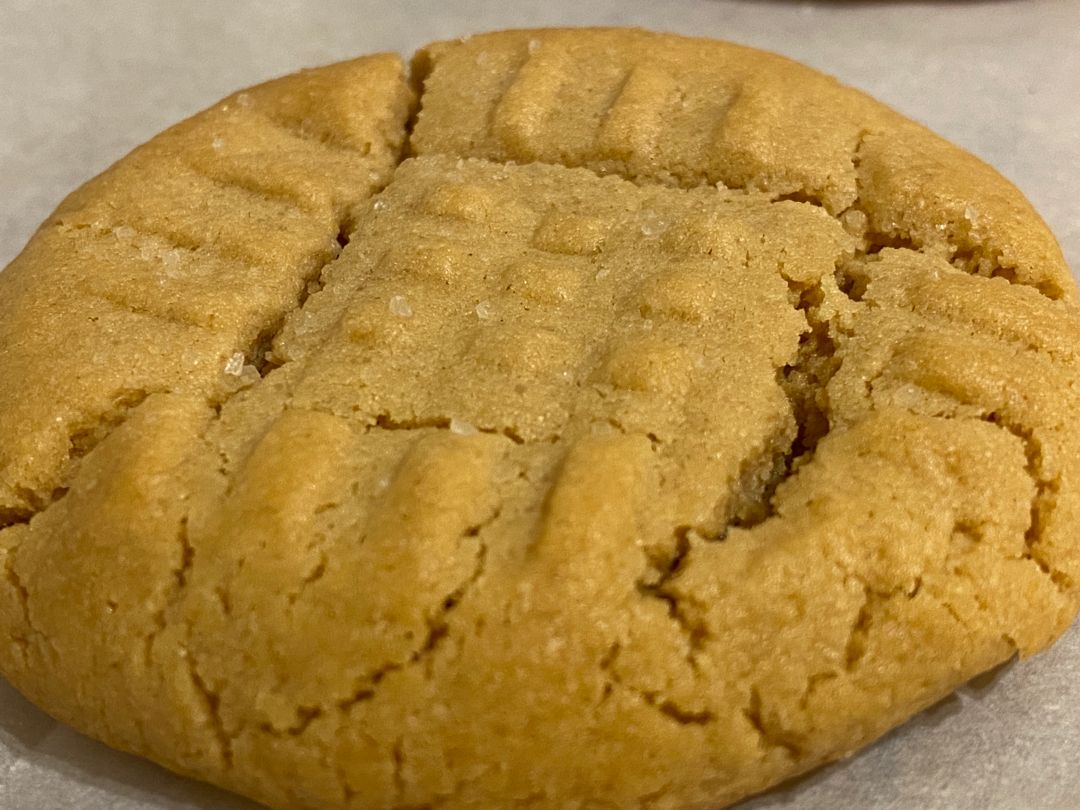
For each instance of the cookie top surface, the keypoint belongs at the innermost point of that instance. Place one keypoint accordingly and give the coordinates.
(613, 417)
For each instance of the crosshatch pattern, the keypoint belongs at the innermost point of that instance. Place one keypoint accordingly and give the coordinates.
(611, 416)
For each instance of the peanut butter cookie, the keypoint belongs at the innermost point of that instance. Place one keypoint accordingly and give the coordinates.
(595, 418)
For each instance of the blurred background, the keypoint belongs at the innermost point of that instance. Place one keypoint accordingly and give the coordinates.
(83, 83)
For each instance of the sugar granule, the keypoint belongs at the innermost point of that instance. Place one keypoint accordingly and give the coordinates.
(400, 306)
(235, 365)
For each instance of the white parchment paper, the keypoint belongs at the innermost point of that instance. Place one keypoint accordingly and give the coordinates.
(82, 83)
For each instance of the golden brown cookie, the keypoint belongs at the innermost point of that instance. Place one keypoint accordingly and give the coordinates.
(607, 419)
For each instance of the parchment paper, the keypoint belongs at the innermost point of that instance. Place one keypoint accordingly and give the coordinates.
(82, 83)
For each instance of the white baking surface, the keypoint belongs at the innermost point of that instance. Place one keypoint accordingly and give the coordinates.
(81, 83)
